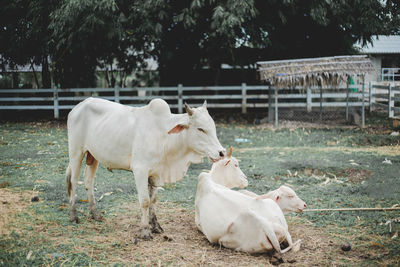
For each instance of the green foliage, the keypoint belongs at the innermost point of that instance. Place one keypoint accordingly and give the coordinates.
(184, 36)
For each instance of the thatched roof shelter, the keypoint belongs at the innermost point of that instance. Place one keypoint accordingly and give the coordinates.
(313, 71)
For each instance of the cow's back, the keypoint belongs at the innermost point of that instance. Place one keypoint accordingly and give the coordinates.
(111, 131)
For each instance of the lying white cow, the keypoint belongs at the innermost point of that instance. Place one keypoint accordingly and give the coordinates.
(154, 144)
(238, 221)
(227, 172)
(284, 196)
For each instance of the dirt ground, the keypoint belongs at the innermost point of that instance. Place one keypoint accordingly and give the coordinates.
(11, 204)
(181, 244)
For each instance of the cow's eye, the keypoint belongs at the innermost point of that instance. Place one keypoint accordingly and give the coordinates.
(201, 130)
(236, 165)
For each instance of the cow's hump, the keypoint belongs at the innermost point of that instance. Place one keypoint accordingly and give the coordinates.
(159, 107)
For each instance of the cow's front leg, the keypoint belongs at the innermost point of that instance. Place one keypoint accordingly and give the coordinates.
(155, 226)
(141, 179)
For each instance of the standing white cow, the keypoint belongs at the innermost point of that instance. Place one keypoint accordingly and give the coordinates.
(238, 221)
(156, 145)
(284, 196)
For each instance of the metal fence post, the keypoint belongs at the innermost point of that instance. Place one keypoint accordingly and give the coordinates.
(116, 94)
(244, 99)
(363, 105)
(56, 107)
(180, 100)
(347, 100)
(276, 107)
(309, 99)
(391, 101)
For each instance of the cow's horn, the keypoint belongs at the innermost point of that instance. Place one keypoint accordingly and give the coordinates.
(205, 104)
(230, 152)
(188, 109)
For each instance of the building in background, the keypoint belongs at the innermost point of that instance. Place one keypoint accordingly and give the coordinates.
(384, 53)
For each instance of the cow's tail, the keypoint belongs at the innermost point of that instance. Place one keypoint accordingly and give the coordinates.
(271, 236)
(292, 246)
(69, 185)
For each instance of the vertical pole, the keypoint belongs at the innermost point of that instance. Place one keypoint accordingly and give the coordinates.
(270, 115)
(391, 101)
(180, 100)
(309, 99)
(363, 105)
(116, 94)
(320, 103)
(370, 96)
(244, 100)
(347, 100)
(276, 107)
(56, 106)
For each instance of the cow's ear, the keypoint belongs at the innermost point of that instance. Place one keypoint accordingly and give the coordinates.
(277, 198)
(177, 129)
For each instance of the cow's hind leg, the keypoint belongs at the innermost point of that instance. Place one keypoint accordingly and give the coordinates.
(73, 172)
(90, 171)
(155, 226)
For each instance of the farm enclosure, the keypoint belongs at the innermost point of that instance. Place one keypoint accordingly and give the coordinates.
(328, 168)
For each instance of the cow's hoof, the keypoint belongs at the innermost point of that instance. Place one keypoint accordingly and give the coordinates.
(72, 216)
(74, 219)
(156, 227)
(145, 234)
(96, 216)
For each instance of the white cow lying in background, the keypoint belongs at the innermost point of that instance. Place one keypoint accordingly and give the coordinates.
(284, 196)
(236, 220)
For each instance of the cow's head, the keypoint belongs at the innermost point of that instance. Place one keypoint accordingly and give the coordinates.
(226, 172)
(288, 200)
(201, 133)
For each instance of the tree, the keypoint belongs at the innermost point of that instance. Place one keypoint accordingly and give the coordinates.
(193, 34)
(24, 35)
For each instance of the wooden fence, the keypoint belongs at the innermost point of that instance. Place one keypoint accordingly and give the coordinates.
(242, 97)
(386, 97)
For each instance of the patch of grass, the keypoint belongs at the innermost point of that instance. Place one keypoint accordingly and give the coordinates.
(328, 168)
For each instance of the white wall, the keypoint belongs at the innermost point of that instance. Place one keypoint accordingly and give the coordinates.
(374, 76)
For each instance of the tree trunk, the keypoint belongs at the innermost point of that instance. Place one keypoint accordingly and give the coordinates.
(15, 80)
(46, 79)
(35, 75)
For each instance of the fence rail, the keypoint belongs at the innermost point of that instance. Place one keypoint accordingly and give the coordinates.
(243, 97)
(386, 97)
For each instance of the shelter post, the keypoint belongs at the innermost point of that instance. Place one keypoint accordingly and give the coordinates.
(371, 97)
(320, 103)
(363, 104)
(276, 107)
(309, 99)
(347, 99)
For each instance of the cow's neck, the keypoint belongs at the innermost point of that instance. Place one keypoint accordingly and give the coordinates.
(177, 157)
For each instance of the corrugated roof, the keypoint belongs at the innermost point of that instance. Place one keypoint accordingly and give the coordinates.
(382, 44)
(313, 71)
